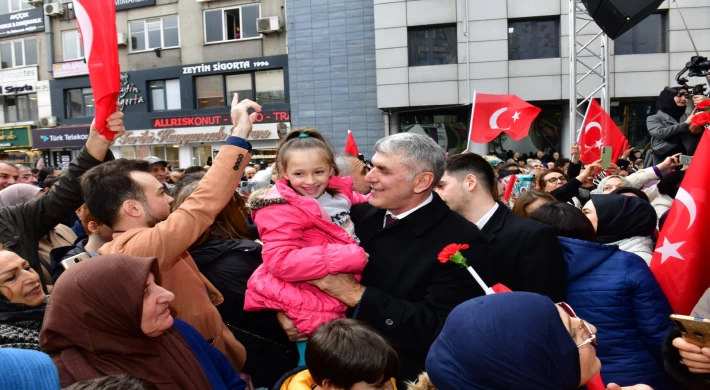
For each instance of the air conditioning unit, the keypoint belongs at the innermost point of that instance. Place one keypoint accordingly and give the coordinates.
(122, 39)
(268, 25)
(50, 121)
(32, 2)
(54, 9)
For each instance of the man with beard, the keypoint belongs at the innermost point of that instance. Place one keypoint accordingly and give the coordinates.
(124, 196)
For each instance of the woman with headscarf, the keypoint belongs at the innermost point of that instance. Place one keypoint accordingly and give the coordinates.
(60, 235)
(667, 189)
(610, 183)
(22, 302)
(515, 340)
(670, 128)
(109, 316)
(616, 291)
(624, 221)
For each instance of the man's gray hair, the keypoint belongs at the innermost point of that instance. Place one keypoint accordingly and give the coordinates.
(345, 167)
(420, 153)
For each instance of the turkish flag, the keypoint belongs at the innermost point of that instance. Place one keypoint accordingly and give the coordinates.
(681, 261)
(598, 129)
(351, 146)
(494, 114)
(97, 23)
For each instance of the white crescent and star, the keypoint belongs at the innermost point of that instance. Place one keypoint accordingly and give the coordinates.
(493, 122)
(599, 143)
(670, 249)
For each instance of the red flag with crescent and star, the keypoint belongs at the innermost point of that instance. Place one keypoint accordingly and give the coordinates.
(495, 114)
(681, 261)
(598, 129)
(97, 23)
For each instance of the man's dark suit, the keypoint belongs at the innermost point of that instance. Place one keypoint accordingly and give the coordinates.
(409, 292)
(527, 255)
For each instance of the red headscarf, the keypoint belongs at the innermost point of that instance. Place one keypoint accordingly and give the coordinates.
(92, 327)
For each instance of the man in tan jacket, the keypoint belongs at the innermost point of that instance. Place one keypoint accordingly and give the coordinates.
(126, 197)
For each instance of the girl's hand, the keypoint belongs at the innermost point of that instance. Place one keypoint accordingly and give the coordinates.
(696, 359)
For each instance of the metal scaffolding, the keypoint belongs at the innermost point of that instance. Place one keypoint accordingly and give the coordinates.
(596, 65)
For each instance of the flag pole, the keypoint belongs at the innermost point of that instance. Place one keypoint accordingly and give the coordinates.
(579, 132)
(470, 126)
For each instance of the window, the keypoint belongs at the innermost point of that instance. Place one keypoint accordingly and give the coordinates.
(630, 115)
(20, 108)
(17, 53)
(241, 84)
(229, 24)
(210, 91)
(200, 155)
(649, 36)
(80, 103)
(270, 86)
(534, 38)
(7, 6)
(165, 95)
(154, 33)
(72, 45)
(432, 45)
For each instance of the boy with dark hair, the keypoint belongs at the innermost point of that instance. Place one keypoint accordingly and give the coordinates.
(345, 354)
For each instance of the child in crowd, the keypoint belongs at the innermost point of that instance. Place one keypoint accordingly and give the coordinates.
(345, 354)
(304, 223)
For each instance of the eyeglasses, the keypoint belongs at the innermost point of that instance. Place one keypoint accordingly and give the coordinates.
(583, 325)
(554, 180)
(682, 94)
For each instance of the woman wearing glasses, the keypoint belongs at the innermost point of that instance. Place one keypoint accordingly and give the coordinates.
(515, 340)
(670, 128)
(617, 292)
(555, 182)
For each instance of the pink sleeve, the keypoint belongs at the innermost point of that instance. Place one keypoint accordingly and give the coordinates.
(286, 257)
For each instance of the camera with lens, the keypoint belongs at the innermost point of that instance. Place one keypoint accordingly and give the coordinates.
(697, 67)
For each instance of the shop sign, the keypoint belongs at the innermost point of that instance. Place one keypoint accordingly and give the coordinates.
(221, 67)
(18, 81)
(172, 136)
(218, 119)
(60, 137)
(129, 93)
(128, 4)
(70, 69)
(15, 137)
(22, 22)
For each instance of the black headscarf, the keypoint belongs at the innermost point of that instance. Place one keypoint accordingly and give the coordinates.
(667, 104)
(620, 217)
(670, 183)
(632, 190)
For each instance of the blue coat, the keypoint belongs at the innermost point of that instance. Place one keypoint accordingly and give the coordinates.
(617, 293)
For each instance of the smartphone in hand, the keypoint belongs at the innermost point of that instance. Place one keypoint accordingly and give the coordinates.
(694, 330)
(685, 160)
(606, 156)
(75, 260)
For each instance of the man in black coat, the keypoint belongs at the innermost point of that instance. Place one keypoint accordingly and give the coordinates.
(406, 292)
(23, 225)
(525, 255)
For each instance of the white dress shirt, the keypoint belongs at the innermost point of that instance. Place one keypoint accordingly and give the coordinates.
(484, 220)
(406, 213)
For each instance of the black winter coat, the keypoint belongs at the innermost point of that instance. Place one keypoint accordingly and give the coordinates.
(228, 264)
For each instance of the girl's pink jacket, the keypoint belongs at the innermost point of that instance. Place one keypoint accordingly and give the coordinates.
(301, 244)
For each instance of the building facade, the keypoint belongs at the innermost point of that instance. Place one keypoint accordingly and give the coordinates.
(331, 53)
(181, 63)
(432, 54)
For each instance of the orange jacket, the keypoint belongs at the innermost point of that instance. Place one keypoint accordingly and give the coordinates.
(195, 296)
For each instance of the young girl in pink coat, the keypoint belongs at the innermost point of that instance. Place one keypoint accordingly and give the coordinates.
(304, 223)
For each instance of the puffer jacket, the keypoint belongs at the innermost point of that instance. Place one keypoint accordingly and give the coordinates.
(640, 246)
(669, 137)
(301, 244)
(617, 293)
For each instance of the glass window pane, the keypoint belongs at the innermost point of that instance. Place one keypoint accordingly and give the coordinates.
(432, 45)
(157, 96)
(153, 27)
(4, 7)
(547, 41)
(128, 152)
(23, 108)
(70, 45)
(649, 35)
(173, 156)
(137, 36)
(530, 39)
(19, 58)
(240, 83)
(34, 110)
(172, 91)
(26, 6)
(231, 21)
(31, 51)
(15, 5)
(171, 34)
(210, 91)
(10, 109)
(249, 15)
(74, 103)
(88, 104)
(142, 151)
(270, 86)
(625, 43)
(158, 151)
(6, 54)
(213, 26)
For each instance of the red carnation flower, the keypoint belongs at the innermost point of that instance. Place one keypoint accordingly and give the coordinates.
(701, 120)
(451, 253)
(704, 105)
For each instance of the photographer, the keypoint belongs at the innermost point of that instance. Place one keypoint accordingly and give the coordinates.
(670, 128)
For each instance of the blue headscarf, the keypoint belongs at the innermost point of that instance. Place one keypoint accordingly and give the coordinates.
(504, 341)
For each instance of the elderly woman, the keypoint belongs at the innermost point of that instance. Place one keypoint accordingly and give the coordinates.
(22, 302)
(515, 340)
(109, 316)
(670, 128)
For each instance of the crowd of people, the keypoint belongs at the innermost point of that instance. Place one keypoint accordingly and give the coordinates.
(325, 271)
